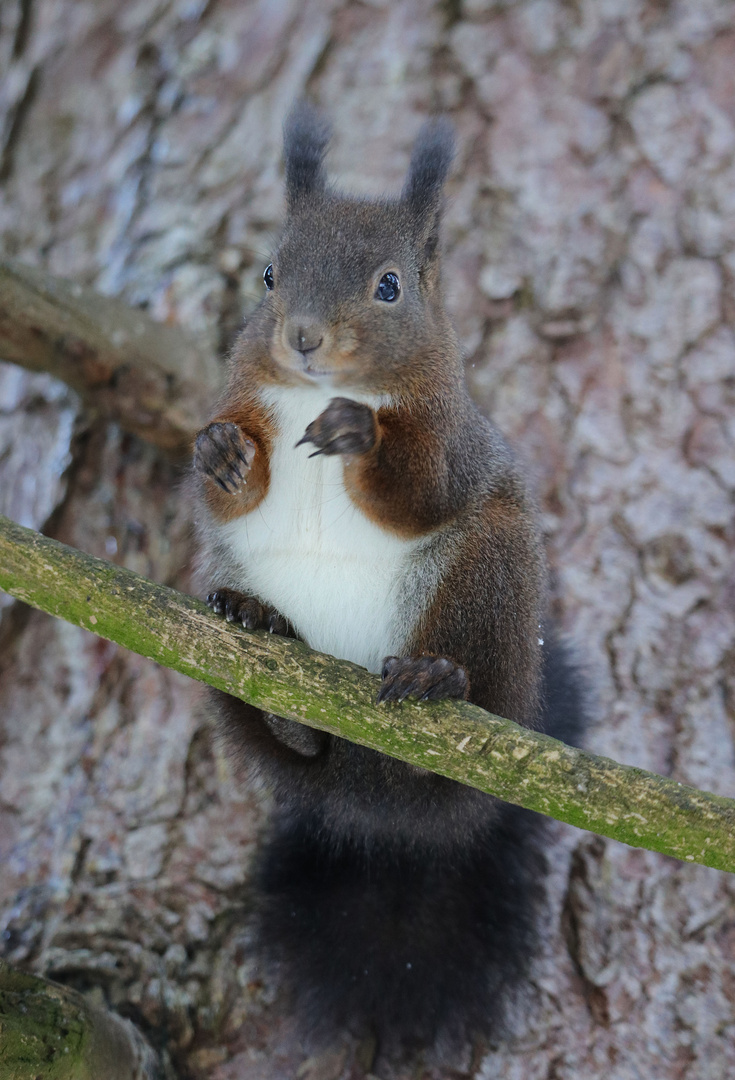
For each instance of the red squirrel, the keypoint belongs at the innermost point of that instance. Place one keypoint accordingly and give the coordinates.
(352, 495)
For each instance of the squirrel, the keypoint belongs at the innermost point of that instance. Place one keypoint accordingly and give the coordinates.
(353, 496)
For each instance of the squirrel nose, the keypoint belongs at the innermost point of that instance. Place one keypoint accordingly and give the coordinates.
(304, 335)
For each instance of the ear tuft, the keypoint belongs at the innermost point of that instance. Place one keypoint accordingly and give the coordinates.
(305, 138)
(431, 159)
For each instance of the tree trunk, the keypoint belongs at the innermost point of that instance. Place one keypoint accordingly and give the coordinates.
(590, 270)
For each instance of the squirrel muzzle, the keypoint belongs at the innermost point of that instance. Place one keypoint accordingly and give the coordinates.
(304, 334)
(308, 348)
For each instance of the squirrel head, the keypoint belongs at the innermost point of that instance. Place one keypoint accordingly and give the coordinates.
(354, 296)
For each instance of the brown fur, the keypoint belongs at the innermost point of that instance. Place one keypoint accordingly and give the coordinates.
(487, 611)
(254, 422)
(404, 483)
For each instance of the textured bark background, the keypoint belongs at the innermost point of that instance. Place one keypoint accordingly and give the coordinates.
(591, 273)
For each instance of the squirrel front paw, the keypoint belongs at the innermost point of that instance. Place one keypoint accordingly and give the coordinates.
(426, 677)
(251, 613)
(345, 427)
(225, 454)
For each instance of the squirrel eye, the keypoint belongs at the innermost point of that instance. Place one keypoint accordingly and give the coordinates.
(388, 288)
(268, 276)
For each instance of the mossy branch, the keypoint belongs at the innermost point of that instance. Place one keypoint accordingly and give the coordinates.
(283, 676)
(51, 1032)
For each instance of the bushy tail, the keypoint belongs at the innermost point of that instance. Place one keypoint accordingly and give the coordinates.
(566, 709)
(411, 947)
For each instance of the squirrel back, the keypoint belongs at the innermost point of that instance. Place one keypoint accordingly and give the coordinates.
(352, 495)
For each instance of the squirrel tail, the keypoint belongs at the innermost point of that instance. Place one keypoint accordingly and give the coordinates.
(410, 947)
(411, 944)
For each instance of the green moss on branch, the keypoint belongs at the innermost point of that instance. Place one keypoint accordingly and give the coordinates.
(48, 1031)
(283, 676)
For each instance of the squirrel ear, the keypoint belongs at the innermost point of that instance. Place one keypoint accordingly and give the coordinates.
(305, 138)
(431, 159)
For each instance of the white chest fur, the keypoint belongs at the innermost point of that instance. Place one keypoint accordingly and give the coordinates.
(343, 582)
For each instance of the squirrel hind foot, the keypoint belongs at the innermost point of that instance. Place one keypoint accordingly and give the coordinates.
(249, 612)
(428, 678)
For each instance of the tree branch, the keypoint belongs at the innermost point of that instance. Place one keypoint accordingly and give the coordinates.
(153, 380)
(284, 677)
(50, 1031)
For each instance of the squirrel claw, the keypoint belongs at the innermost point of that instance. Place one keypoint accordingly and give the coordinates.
(428, 678)
(237, 607)
(224, 454)
(345, 427)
